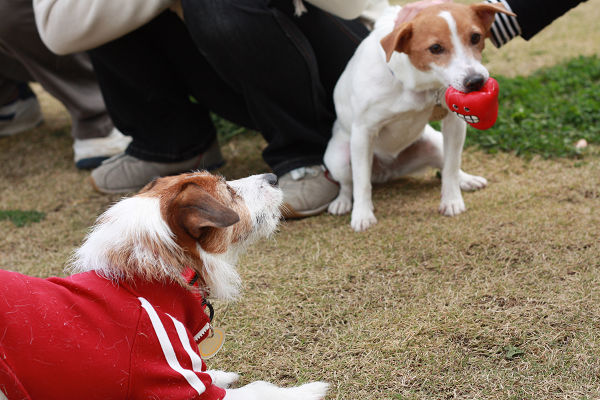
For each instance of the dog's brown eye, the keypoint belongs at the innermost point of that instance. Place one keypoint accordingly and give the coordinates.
(475, 38)
(436, 49)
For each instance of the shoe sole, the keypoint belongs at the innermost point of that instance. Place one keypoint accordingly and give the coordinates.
(90, 162)
(22, 127)
(288, 212)
(116, 191)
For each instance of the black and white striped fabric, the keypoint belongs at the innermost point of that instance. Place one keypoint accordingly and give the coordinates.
(504, 27)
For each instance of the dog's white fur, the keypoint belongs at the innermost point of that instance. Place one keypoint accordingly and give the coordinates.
(138, 221)
(135, 226)
(382, 130)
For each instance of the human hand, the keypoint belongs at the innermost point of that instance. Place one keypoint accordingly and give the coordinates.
(409, 11)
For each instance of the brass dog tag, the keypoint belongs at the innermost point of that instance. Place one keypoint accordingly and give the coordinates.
(438, 113)
(212, 344)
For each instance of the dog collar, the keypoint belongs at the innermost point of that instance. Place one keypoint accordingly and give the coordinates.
(211, 344)
(211, 310)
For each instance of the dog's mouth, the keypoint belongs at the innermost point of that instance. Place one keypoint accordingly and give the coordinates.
(472, 119)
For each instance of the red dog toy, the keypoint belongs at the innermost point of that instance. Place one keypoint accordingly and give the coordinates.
(479, 109)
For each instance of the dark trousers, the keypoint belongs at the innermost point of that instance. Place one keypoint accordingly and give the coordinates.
(250, 61)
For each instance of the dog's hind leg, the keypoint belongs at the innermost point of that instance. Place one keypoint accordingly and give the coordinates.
(427, 151)
(337, 161)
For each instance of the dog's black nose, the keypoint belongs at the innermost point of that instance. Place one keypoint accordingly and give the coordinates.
(474, 82)
(271, 179)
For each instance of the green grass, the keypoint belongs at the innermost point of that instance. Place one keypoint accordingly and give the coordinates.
(227, 130)
(547, 112)
(21, 218)
(542, 114)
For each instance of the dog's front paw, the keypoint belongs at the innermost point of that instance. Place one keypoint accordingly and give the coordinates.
(223, 379)
(471, 182)
(452, 207)
(362, 219)
(341, 205)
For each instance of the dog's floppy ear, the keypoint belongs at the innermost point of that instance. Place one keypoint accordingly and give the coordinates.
(487, 12)
(194, 209)
(397, 40)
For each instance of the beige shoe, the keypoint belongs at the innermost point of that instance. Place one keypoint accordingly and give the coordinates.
(307, 191)
(125, 174)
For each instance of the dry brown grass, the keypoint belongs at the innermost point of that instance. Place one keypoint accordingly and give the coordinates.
(419, 307)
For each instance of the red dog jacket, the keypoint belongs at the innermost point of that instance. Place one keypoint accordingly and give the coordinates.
(85, 337)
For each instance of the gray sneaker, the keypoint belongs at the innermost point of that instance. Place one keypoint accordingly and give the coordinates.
(20, 115)
(125, 174)
(307, 191)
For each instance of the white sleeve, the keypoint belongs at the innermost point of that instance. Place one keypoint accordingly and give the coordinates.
(68, 26)
(347, 9)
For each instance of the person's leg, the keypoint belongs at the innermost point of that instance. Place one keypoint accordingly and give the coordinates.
(148, 78)
(333, 54)
(70, 79)
(8, 89)
(284, 66)
(12, 73)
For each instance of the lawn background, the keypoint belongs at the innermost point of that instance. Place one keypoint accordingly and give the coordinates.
(498, 303)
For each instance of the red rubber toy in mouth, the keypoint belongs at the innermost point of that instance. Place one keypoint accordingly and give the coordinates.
(479, 109)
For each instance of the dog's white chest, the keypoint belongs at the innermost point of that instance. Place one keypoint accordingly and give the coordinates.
(407, 118)
(400, 133)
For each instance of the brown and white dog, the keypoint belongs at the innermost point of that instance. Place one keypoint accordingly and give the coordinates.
(126, 323)
(195, 220)
(386, 95)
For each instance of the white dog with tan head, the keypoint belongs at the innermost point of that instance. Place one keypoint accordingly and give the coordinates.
(387, 94)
